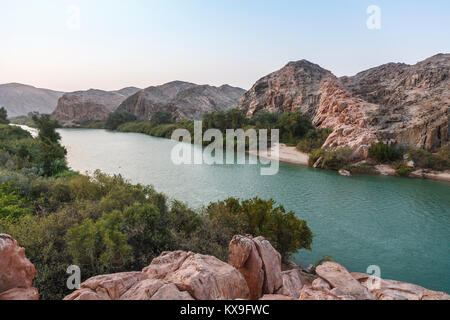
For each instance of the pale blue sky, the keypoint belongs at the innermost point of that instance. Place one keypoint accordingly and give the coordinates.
(150, 42)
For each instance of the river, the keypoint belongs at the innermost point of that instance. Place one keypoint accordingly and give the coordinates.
(401, 225)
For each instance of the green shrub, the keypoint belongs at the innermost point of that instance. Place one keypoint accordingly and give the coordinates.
(313, 140)
(315, 155)
(258, 217)
(116, 118)
(362, 168)
(382, 152)
(403, 170)
(336, 159)
(427, 160)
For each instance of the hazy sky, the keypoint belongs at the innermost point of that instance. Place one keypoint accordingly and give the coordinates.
(150, 42)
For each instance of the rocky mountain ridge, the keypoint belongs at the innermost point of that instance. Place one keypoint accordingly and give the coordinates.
(394, 103)
(19, 99)
(183, 99)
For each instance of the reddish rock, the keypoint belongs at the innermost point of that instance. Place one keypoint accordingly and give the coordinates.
(338, 277)
(244, 256)
(274, 297)
(107, 287)
(271, 258)
(20, 294)
(293, 283)
(16, 271)
(395, 290)
(208, 278)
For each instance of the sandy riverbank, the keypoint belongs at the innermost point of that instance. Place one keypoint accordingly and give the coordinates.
(287, 154)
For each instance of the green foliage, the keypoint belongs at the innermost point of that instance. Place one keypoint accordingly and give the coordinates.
(257, 217)
(332, 159)
(52, 155)
(315, 155)
(161, 117)
(3, 116)
(403, 170)
(25, 120)
(435, 161)
(293, 125)
(382, 152)
(314, 139)
(116, 118)
(12, 205)
(93, 124)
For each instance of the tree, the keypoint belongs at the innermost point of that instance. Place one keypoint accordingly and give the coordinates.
(162, 117)
(294, 125)
(52, 155)
(3, 116)
(285, 231)
(117, 118)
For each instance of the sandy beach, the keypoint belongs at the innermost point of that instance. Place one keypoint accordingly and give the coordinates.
(287, 154)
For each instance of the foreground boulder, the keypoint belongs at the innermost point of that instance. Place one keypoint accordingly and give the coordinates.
(259, 263)
(175, 275)
(338, 277)
(395, 290)
(204, 277)
(254, 272)
(16, 272)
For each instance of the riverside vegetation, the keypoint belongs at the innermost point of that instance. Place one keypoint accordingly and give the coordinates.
(296, 129)
(104, 224)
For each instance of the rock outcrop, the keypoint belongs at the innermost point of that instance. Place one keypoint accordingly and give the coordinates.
(175, 275)
(183, 99)
(76, 107)
(16, 272)
(19, 99)
(394, 103)
(253, 272)
(259, 263)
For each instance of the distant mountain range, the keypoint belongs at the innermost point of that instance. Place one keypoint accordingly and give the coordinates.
(395, 102)
(19, 99)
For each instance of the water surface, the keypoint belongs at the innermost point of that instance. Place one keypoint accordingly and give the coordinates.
(399, 224)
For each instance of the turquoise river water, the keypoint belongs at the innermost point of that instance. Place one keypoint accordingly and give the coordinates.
(401, 225)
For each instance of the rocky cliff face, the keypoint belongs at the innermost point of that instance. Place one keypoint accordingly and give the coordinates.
(182, 99)
(16, 272)
(294, 87)
(396, 103)
(76, 107)
(19, 99)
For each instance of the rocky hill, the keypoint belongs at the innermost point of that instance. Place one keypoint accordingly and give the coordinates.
(19, 99)
(79, 106)
(406, 104)
(182, 99)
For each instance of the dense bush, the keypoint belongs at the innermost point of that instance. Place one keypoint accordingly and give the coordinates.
(116, 118)
(403, 170)
(332, 159)
(435, 161)
(382, 152)
(3, 116)
(313, 140)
